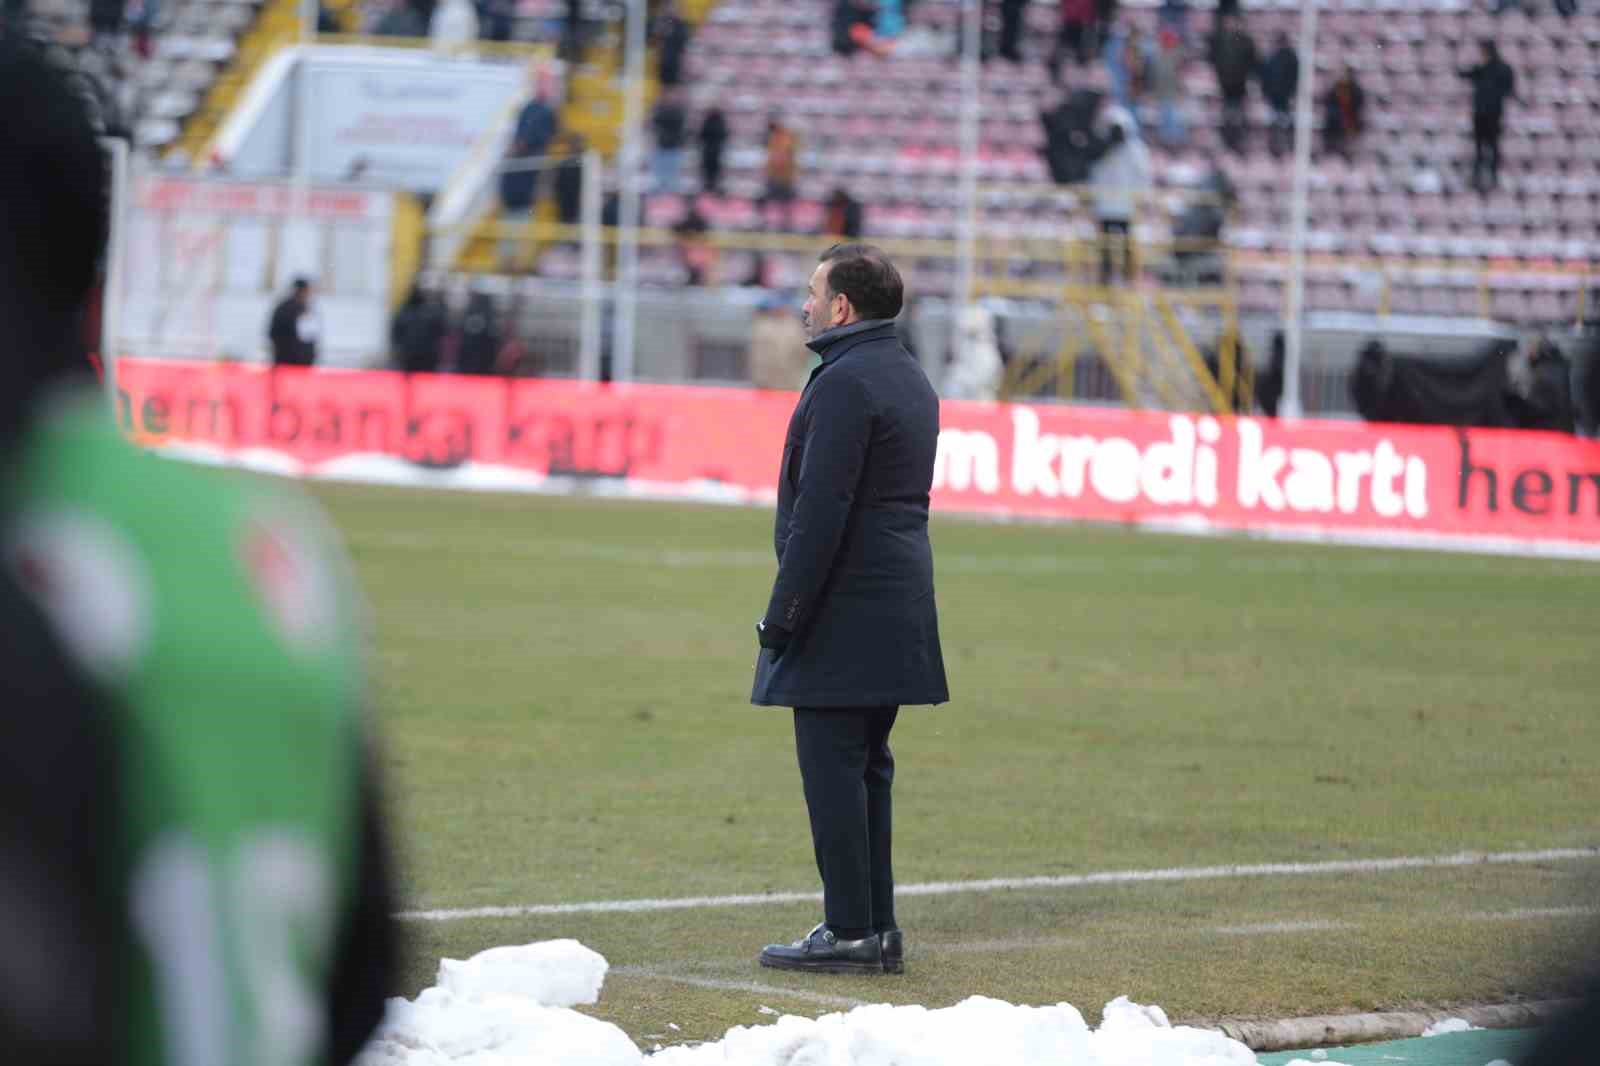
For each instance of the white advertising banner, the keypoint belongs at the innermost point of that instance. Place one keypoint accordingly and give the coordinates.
(207, 260)
(406, 119)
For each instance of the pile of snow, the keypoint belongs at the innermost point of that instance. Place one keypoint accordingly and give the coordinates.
(1450, 1025)
(512, 1005)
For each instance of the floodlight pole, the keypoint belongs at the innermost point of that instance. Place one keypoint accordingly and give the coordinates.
(1294, 312)
(627, 288)
(967, 222)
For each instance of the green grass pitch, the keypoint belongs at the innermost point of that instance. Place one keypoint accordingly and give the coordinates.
(562, 691)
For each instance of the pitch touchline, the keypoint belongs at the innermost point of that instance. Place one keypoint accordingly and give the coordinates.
(947, 888)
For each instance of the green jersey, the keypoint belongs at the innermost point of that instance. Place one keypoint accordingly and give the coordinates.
(214, 614)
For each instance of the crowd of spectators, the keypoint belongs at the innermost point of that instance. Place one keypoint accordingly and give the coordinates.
(479, 337)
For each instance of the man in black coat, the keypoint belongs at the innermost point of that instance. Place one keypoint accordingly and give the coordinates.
(1280, 77)
(293, 329)
(1493, 82)
(851, 632)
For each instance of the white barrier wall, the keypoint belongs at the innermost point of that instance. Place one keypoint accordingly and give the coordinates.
(207, 259)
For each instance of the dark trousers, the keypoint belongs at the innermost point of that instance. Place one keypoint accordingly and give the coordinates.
(1075, 40)
(1235, 125)
(1280, 137)
(1485, 151)
(1116, 249)
(847, 770)
(711, 171)
(1011, 29)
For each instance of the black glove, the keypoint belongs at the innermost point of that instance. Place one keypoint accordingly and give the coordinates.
(774, 637)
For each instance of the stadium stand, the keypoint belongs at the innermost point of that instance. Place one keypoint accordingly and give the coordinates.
(1401, 206)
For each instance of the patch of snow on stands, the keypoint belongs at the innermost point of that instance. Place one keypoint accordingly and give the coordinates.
(513, 1005)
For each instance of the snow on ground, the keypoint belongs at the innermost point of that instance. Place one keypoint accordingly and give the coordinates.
(512, 1006)
(1450, 1025)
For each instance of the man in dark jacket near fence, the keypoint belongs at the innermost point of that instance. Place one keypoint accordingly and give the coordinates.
(851, 632)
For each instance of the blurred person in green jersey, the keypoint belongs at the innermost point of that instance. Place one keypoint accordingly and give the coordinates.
(192, 863)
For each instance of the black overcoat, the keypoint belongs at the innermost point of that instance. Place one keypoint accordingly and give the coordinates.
(855, 568)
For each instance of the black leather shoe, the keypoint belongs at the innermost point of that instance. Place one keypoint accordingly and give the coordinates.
(822, 952)
(894, 951)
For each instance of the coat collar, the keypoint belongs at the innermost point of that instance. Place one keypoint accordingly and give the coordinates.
(828, 346)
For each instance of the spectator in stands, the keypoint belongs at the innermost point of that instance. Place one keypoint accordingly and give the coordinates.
(519, 181)
(671, 34)
(1120, 177)
(479, 335)
(1198, 229)
(417, 333)
(1075, 34)
(696, 254)
(842, 218)
(105, 22)
(1166, 88)
(1269, 383)
(783, 171)
(1105, 16)
(1280, 78)
(496, 18)
(713, 140)
(778, 353)
(1493, 82)
(514, 360)
(569, 180)
(294, 327)
(854, 28)
(1072, 141)
(670, 123)
(1125, 58)
(1233, 57)
(1344, 114)
(401, 20)
(1010, 43)
(454, 26)
(1541, 389)
(1174, 16)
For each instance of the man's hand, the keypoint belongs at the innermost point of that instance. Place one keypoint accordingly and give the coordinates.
(773, 637)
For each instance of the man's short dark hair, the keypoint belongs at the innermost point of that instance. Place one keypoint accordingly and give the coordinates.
(864, 276)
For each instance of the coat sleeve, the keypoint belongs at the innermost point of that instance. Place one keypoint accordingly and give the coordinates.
(838, 427)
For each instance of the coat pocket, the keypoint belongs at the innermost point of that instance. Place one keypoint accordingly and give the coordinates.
(793, 452)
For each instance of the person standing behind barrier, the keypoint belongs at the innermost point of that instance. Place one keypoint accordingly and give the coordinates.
(294, 327)
(519, 177)
(192, 852)
(1120, 177)
(851, 632)
(778, 353)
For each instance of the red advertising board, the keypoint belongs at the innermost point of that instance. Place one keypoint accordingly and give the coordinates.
(1340, 480)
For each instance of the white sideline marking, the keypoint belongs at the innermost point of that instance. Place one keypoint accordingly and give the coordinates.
(757, 987)
(996, 884)
(1527, 913)
(1269, 928)
(1066, 563)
